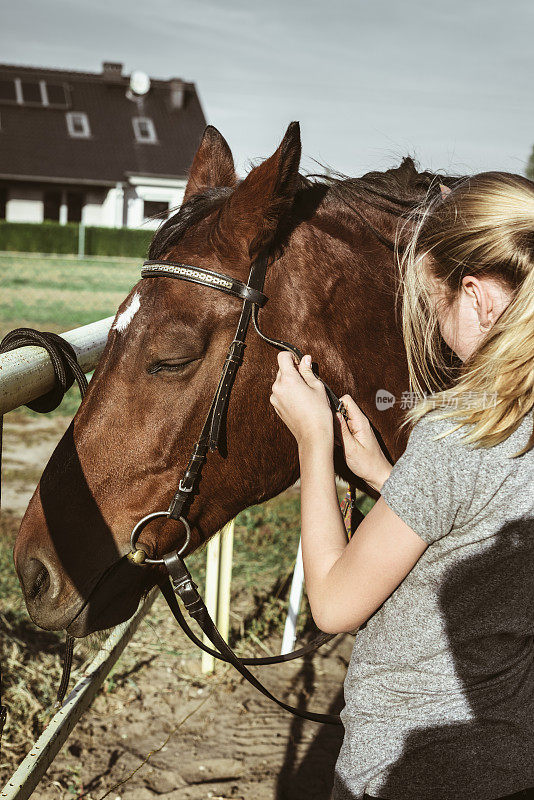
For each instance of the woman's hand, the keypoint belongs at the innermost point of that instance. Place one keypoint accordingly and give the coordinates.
(363, 454)
(299, 399)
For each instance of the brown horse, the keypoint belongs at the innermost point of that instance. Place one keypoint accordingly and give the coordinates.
(331, 289)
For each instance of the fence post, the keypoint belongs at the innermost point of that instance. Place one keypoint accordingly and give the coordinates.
(212, 591)
(225, 579)
(81, 240)
(218, 579)
(295, 597)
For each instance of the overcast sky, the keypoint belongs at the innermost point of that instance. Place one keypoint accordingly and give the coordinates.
(369, 80)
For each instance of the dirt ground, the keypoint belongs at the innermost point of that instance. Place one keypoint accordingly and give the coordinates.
(211, 736)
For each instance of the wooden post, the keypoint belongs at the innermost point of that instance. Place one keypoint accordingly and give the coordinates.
(218, 583)
(225, 579)
(211, 594)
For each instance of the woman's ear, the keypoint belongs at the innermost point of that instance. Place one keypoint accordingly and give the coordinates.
(480, 297)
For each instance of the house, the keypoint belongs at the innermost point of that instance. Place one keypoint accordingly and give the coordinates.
(104, 149)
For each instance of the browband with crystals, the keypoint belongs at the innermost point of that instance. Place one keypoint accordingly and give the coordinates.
(205, 277)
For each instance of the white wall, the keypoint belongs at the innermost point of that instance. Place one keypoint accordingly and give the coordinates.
(92, 212)
(121, 205)
(162, 190)
(24, 204)
(111, 211)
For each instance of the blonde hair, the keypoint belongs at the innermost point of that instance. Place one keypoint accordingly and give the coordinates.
(482, 225)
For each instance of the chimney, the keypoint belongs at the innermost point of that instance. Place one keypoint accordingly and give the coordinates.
(176, 93)
(112, 72)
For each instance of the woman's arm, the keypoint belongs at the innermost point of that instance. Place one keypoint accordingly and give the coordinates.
(346, 583)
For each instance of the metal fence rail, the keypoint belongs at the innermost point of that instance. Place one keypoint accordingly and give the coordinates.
(27, 373)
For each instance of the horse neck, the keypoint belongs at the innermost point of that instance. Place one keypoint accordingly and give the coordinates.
(335, 298)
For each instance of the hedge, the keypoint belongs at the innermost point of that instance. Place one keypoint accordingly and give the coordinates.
(51, 237)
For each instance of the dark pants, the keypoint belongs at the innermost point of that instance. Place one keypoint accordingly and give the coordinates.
(524, 794)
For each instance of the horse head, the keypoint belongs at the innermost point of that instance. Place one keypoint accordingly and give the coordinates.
(129, 442)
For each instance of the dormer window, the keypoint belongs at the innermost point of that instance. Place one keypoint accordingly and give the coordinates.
(78, 125)
(27, 92)
(144, 130)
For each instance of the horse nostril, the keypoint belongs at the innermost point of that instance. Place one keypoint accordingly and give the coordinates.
(36, 578)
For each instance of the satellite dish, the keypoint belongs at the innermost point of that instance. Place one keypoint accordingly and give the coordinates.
(139, 82)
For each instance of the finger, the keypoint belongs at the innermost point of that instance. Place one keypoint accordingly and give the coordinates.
(307, 372)
(286, 362)
(348, 434)
(343, 423)
(349, 403)
(357, 418)
(347, 439)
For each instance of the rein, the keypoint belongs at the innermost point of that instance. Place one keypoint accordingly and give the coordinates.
(179, 580)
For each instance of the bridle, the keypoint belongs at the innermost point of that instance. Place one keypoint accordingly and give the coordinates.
(181, 583)
(210, 437)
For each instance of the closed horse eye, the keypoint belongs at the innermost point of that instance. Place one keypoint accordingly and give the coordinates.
(169, 366)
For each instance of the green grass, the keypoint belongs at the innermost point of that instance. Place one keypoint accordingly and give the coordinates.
(57, 293)
(61, 292)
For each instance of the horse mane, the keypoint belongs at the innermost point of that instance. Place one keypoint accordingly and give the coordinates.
(197, 208)
(398, 191)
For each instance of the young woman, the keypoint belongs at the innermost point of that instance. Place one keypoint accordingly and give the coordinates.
(439, 693)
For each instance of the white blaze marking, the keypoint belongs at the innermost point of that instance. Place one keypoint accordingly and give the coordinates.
(126, 316)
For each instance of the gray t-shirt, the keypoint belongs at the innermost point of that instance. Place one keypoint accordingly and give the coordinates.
(439, 692)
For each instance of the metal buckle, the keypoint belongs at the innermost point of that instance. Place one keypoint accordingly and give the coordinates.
(134, 554)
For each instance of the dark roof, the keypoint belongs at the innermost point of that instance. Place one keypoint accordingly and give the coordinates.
(35, 143)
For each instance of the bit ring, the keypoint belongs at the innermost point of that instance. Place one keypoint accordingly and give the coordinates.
(134, 536)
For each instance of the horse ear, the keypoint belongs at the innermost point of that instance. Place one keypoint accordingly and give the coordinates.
(250, 216)
(213, 164)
